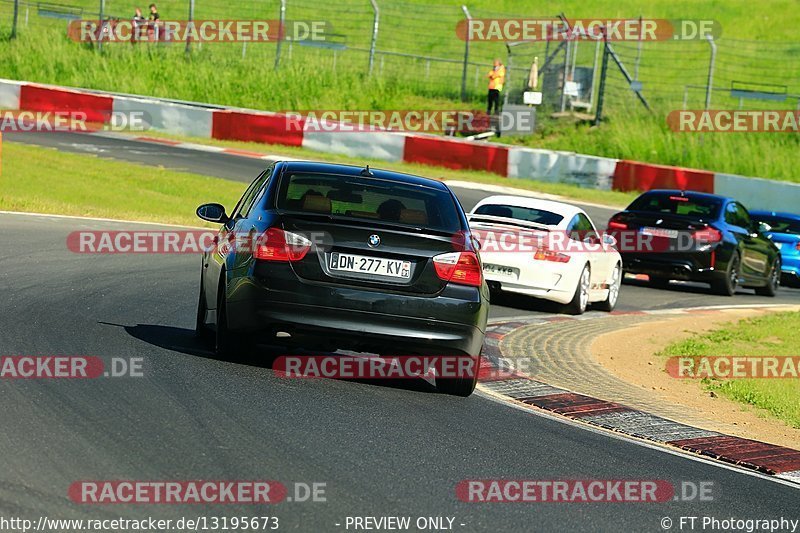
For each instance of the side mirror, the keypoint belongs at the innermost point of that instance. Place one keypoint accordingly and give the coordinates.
(212, 213)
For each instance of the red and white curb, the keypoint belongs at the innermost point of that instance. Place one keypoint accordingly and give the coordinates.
(498, 377)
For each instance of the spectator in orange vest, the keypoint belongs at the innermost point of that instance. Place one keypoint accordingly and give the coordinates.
(497, 78)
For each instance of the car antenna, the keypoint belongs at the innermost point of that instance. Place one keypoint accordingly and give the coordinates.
(367, 171)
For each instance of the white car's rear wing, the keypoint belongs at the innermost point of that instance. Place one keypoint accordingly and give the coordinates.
(490, 219)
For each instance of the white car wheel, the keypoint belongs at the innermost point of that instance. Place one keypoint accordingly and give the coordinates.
(613, 290)
(581, 298)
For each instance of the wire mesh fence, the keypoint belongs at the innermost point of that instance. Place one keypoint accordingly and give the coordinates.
(415, 45)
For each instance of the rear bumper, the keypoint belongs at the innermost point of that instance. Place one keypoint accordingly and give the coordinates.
(695, 267)
(452, 322)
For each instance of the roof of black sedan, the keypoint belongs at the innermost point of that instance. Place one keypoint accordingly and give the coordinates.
(352, 170)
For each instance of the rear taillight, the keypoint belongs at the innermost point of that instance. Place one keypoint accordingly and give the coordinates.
(707, 235)
(543, 254)
(797, 246)
(617, 223)
(278, 245)
(459, 267)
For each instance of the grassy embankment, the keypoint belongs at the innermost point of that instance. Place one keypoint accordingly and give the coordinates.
(769, 335)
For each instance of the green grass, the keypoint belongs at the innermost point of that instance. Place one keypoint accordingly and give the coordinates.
(610, 198)
(769, 335)
(756, 47)
(44, 180)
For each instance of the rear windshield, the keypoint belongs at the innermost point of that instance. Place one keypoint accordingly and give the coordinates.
(780, 224)
(529, 214)
(675, 204)
(370, 199)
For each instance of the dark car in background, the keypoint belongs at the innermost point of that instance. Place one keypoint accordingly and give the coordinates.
(342, 257)
(784, 230)
(698, 237)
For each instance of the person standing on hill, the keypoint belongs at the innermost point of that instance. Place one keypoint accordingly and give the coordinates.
(497, 78)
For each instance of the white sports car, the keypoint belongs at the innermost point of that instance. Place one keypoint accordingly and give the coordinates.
(546, 249)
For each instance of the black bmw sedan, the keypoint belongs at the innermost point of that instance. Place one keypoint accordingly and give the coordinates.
(331, 257)
(692, 236)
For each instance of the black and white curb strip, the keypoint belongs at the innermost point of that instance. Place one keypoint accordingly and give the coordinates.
(498, 376)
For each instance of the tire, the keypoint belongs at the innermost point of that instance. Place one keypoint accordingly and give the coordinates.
(613, 290)
(581, 298)
(224, 343)
(728, 285)
(774, 281)
(461, 386)
(200, 329)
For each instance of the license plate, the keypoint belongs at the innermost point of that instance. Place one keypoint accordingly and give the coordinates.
(660, 232)
(370, 265)
(499, 270)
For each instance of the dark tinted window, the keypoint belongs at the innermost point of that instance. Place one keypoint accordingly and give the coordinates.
(675, 204)
(737, 215)
(581, 227)
(521, 213)
(780, 224)
(250, 195)
(370, 199)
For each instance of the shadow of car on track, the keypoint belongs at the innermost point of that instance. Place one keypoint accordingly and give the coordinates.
(526, 303)
(184, 340)
(687, 287)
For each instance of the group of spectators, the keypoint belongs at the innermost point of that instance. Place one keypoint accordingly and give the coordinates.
(150, 23)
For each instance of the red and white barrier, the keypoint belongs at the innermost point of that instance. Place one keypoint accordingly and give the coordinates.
(383, 145)
(9, 94)
(758, 193)
(96, 107)
(517, 162)
(635, 176)
(456, 154)
(561, 167)
(186, 120)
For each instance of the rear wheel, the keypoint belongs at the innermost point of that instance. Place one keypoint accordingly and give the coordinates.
(730, 281)
(613, 290)
(771, 288)
(224, 345)
(200, 329)
(460, 386)
(581, 298)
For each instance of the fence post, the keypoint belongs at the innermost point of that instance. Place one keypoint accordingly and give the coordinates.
(188, 34)
(564, 75)
(102, 14)
(375, 20)
(466, 55)
(710, 82)
(14, 20)
(281, 33)
(601, 93)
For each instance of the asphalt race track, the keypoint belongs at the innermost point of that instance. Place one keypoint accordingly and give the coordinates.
(380, 448)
